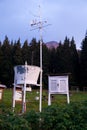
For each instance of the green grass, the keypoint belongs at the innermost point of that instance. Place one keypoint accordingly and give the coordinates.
(33, 104)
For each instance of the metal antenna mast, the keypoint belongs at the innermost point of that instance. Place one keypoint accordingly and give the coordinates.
(39, 25)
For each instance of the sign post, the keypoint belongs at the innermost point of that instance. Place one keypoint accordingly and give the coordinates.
(2, 87)
(39, 25)
(25, 75)
(24, 90)
(58, 85)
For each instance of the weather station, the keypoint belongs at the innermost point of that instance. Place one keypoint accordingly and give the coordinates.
(39, 24)
(24, 76)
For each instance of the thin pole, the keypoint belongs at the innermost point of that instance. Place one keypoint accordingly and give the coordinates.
(40, 27)
(24, 91)
(14, 91)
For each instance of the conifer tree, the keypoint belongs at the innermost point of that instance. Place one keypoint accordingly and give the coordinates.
(6, 67)
(83, 61)
(35, 52)
(26, 53)
(75, 65)
(17, 53)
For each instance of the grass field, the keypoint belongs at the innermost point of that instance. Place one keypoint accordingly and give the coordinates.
(33, 104)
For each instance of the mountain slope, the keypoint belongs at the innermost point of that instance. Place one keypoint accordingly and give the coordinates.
(52, 44)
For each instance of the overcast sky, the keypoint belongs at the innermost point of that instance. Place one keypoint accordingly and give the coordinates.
(67, 18)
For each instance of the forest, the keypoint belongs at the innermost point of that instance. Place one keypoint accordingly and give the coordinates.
(65, 59)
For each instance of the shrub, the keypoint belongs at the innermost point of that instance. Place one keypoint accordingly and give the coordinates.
(69, 117)
(72, 116)
(33, 119)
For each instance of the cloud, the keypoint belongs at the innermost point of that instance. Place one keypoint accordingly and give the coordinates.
(68, 17)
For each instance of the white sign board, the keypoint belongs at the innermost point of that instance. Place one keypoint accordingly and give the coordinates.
(29, 89)
(28, 74)
(18, 95)
(58, 85)
(25, 75)
(1, 91)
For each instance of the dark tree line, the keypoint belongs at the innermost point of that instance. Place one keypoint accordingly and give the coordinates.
(64, 59)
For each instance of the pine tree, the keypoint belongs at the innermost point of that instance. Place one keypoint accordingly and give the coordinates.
(59, 64)
(26, 53)
(46, 63)
(35, 52)
(66, 56)
(6, 63)
(17, 53)
(52, 60)
(75, 65)
(83, 61)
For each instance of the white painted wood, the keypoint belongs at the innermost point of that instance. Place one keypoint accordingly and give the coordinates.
(58, 85)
